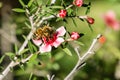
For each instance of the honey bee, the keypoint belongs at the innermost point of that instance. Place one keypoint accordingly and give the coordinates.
(45, 31)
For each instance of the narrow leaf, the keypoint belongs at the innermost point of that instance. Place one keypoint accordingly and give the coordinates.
(56, 7)
(88, 10)
(9, 54)
(25, 50)
(22, 67)
(30, 47)
(69, 11)
(16, 49)
(59, 19)
(27, 25)
(74, 22)
(18, 10)
(30, 78)
(39, 2)
(81, 19)
(33, 58)
(90, 27)
(24, 37)
(34, 48)
(80, 43)
(22, 3)
(30, 3)
(67, 51)
(1, 59)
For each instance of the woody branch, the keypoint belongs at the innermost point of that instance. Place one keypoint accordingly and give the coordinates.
(33, 24)
(81, 60)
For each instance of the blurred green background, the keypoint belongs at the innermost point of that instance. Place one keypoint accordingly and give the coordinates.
(104, 65)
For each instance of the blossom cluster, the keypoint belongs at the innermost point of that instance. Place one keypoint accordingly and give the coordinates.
(46, 43)
(56, 38)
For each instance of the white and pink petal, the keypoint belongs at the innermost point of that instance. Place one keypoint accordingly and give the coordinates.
(45, 48)
(57, 42)
(37, 42)
(61, 31)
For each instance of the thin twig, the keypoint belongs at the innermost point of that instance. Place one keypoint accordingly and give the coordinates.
(77, 51)
(81, 60)
(50, 77)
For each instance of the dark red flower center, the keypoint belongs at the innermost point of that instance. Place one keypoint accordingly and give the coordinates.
(50, 40)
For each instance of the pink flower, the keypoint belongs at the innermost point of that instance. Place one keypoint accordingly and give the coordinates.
(111, 21)
(75, 35)
(62, 13)
(45, 44)
(78, 3)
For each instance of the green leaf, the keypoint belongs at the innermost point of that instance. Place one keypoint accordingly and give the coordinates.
(33, 58)
(16, 49)
(49, 55)
(31, 47)
(81, 19)
(48, 2)
(22, 67)
(30, 78)
(90, 27)
(34, 78)
(88, 10)
(27, 25)
(18, 10)
(1, 59)
(59, 19)
(23, 51)
(70, 11)
(22, 3)
(58, 56)
(57, 7)
(80, 43)
(74, 22)
(11, 55)
(30, 3)
(56, 66)
(67, 51)
(24, 37)
(39, 2)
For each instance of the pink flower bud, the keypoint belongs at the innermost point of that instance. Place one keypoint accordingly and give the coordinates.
(78, 3)
(62, 13)
(90, 20)
(75, 35)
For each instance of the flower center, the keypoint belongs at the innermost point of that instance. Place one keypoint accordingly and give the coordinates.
(49, 40)
(45, 31)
